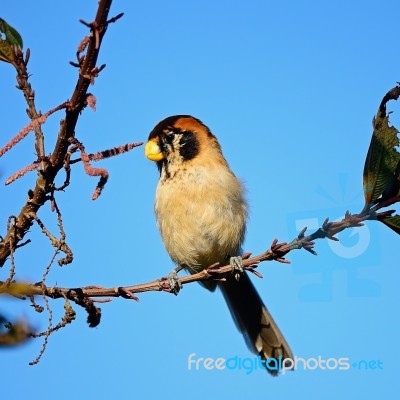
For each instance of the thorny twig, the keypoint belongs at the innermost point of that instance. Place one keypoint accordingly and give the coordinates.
(46, 333)
(69, 315)
(277, 251)
(59, 244)
(20, 63)
(50, 166)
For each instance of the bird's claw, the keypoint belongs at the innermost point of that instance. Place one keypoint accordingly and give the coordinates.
(174, 281)
(237, 266)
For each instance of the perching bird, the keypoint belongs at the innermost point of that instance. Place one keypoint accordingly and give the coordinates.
(201, 213)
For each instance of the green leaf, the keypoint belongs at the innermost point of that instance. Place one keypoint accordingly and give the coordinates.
(381, 171)
(393, 190)
(16, 289)
(12, 36)
(13, 334)
(6, 53)
(393, 222)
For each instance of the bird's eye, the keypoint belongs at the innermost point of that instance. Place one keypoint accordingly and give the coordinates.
(170, 136)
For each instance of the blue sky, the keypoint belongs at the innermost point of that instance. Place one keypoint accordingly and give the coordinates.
(290, 89)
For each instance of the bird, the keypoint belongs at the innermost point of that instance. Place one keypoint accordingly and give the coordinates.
(201, 214)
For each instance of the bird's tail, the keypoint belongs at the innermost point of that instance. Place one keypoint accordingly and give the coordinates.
(254, 321)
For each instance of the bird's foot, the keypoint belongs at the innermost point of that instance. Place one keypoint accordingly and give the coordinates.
(174, 281)
(237, 266)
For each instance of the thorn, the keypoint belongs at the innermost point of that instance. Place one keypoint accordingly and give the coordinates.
(27, 56)
(276, 246)
(88, 24)
(106, 300)
(335, 239)
(23, 243)
(283, 260)
(115, 19)
(213, 267)
(251, 269)
(310, 250)
(127, 294)
(301, 234)
(98, 70)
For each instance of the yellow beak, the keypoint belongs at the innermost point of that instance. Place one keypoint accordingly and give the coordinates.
(152, 150)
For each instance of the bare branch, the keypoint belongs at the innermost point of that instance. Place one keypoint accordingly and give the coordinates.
(46, 176)
(20, 65)
(59, 244)
(85, 296)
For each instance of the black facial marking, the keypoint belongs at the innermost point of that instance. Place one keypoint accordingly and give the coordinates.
(161, 165)
(169, 123)
(166, 133)
(166, 123)
(188, 145)
(169, 136)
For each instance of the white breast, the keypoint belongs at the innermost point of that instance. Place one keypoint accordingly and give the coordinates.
(201, 214)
